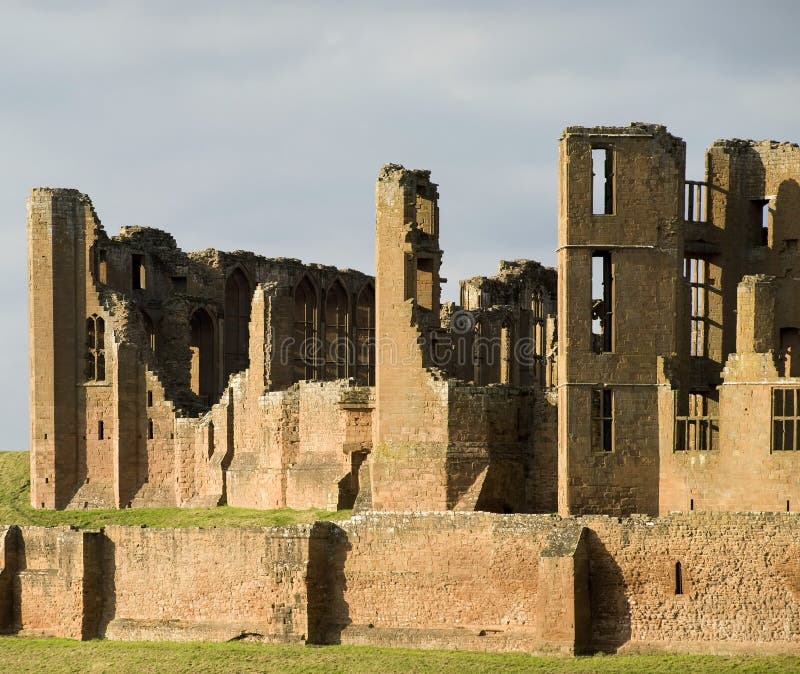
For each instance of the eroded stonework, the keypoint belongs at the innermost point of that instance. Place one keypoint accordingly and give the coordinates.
(657, 370)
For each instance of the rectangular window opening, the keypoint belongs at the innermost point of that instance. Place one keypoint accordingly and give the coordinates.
(785, 419)
(602, 181)
(138, 276)
(149, 429)
(602, 420)
(149, 398)
(100, 430)
(602, 303)
(696, 272)
(102, 266)
(178, 284)
(425, 282)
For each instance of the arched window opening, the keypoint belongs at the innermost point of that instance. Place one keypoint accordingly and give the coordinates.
(337, 343)
(201, 344)
(506, 353)
(237, 322)
(95, 348)
(678, 578)
(307, 345)
(365, 336)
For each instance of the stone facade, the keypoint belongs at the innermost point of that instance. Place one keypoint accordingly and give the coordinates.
(686, 582)
(658, 370)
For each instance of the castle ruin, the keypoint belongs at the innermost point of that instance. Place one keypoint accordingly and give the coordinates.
(648, 391)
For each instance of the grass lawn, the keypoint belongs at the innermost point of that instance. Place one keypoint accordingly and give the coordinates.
(60, 655)
(15, 508)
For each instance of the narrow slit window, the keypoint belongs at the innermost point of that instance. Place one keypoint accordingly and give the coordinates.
(602, 308)
(100, 430)
(761, 219)
(506, 350)
(602, 420)
(149, 398)
(602, 181)
(149, 429)
(678, 578)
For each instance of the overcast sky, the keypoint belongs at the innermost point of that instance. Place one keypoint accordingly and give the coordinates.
(262, 126)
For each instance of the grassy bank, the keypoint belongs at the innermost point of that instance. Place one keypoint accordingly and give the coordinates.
(60, 655)
(15, 508)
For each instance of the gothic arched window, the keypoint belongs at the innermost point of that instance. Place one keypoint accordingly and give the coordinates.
(95, 348)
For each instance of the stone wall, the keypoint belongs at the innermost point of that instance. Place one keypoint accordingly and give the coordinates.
(535, 583)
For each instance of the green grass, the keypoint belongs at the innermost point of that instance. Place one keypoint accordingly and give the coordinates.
(15, 508)
(61, 655)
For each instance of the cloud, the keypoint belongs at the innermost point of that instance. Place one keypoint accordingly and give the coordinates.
(263, 125)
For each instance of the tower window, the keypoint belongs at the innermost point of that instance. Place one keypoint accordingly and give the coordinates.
(138, 273)
(602, 420)
(95, 349)
(602, 303)
(602, 181)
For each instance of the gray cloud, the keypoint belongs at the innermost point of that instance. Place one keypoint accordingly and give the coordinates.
(262, 125)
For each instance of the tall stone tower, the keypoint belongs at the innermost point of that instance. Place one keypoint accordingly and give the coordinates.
(620, 251)
(61, 296)
(409, 462)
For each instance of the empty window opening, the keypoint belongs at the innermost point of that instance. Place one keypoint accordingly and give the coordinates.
(337, 342)
(506, 353)
(602, 420)
(149, 332)
(602, 181)
(696, 272)
(691, 504)
(237, 323)
(100, 430)
(785, 419)
(47, 479)
(307, 349)
(365, 336)
(788, 509)
(789, 353)
(760, 218)
(138, 274)
(95, 349)
(102, 266)
(178, 284)
(424, 293)
(602, 303)
(696, 201)
(149, 429)
(149, 398)
(480, 354)
(426, 209)
(698, 430)
(201, 345)
(538, 336)
(678, 578)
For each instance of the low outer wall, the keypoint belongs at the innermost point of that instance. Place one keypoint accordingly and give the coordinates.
(536, 583)
(206, 583)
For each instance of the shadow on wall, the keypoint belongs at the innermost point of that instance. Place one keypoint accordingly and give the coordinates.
(328, 612)
(610, 609)
(108, 564)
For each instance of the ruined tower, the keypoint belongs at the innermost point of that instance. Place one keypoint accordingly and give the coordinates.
(619, 271)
